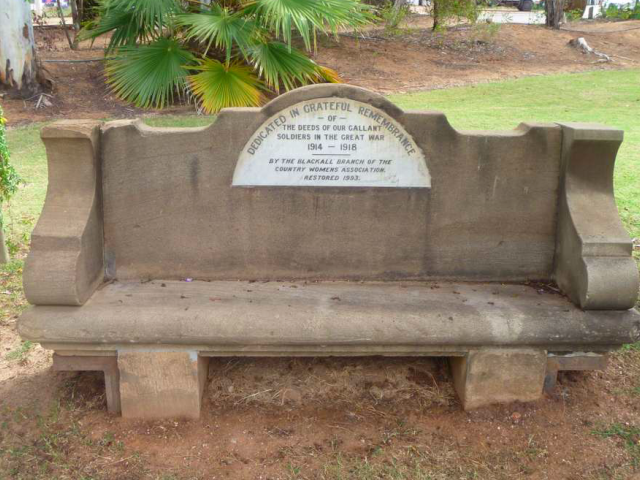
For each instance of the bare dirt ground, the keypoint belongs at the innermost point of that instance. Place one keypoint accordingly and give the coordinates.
(325, 418)
(465, 55)
(273, 419)
(415, 59)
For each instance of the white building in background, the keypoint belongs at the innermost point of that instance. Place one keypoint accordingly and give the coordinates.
(595, 8)
(38, 6)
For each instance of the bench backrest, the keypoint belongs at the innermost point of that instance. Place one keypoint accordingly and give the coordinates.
(258, 195)
(170, 210)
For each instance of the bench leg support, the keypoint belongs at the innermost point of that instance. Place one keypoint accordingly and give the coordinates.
(161, 384)
(107, 365)
(580, 361)
(501, 375)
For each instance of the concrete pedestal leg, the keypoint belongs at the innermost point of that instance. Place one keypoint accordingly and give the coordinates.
(499, 375)
(161, 384)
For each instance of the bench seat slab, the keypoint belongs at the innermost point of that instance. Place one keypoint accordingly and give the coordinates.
(285, 318)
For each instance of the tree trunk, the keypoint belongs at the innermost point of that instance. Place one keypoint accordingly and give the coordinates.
(72, 44)
(18, 66)
(398, 4)
(75, 14)
(434, 12)
(81, 12)
(554, 10)
(4, 253)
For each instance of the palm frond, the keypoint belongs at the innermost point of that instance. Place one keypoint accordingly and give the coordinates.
(148, 12)
(307, 16)
(121, 23)
(219, 27)
(281, 66)
(130, 21)
(330, 75)
(219, 86)
(150, 75)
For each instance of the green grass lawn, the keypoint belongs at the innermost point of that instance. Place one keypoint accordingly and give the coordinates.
(609, 97)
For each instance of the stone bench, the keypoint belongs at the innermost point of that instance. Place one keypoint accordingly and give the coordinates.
(329, 222)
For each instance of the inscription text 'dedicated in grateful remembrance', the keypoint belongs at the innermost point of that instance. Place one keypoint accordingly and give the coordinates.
(332, 142)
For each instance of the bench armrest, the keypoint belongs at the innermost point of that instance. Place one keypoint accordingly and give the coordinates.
(594, 265)
(65, 264)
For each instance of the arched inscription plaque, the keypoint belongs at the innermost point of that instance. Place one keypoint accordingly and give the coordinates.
(331, 142)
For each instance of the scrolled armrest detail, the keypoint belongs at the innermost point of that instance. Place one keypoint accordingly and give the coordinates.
(65, 264)
(594, 264)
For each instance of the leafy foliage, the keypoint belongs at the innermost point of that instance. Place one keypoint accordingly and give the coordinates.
(393, 15)
(573, 15)
(131, 21)
(9, 178)
(231, 50)
(305, 17)
(615, 12)
(220, 85)
(277, 64)
(221, 28)
(445, 10)
(148, 75)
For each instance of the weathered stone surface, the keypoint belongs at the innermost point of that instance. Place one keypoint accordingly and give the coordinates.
(283, 318)
(171, 211)
(594, 265)
(65, 264)
(161, 384)
(489, 376)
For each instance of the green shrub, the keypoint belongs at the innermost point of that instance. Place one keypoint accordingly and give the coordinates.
(446, 10)
(615, 12)
(573, 15)
(485, 32)
(393, 16)
(9, 178)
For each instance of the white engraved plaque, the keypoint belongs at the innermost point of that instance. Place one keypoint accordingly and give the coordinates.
(331, 142)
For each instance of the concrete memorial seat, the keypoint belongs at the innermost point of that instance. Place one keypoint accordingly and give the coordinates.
(328, 222)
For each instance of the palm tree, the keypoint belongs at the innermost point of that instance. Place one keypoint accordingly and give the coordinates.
(222, 53)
